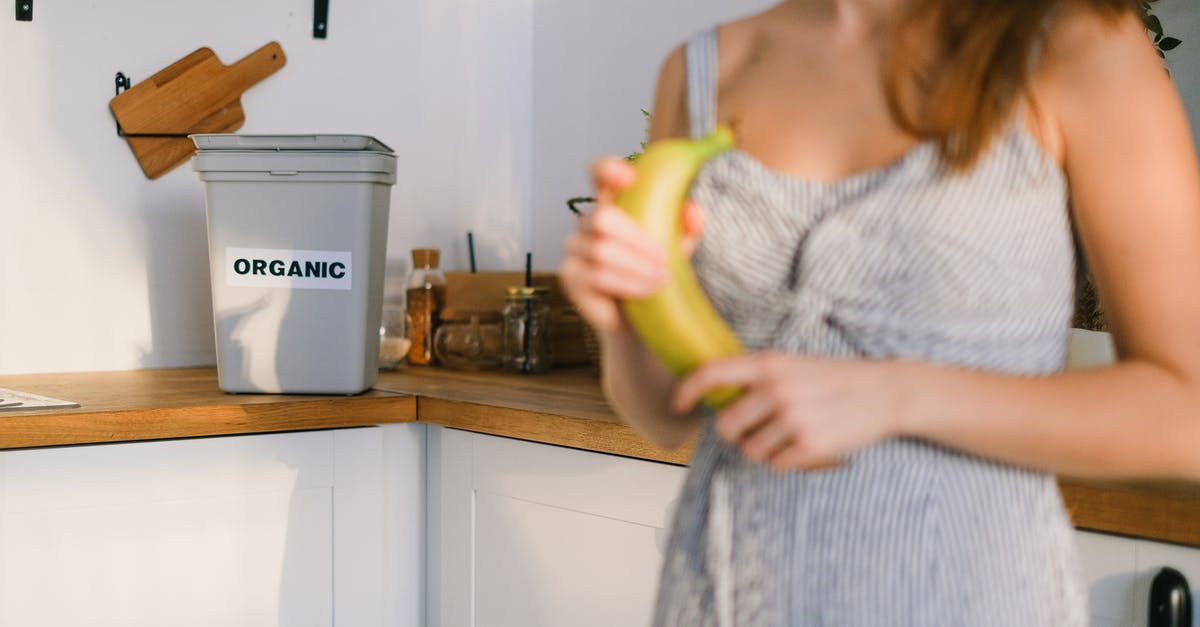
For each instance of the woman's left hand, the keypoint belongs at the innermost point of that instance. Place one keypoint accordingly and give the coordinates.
(797, 412)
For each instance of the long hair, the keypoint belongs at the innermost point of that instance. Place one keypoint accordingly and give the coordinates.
(958, 68)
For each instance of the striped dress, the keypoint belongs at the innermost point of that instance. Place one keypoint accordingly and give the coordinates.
(906, 261)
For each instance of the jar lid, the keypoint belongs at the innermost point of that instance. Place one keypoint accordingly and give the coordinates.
(521, 292)
(465, 315)
(425, 257)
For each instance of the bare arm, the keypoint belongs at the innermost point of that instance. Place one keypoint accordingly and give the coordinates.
(1118, 127)
(1135, 188)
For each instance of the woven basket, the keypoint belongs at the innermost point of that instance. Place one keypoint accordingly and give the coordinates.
(1088, 312)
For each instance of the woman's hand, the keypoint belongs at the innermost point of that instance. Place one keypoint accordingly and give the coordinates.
(609, 257)
(797, 412)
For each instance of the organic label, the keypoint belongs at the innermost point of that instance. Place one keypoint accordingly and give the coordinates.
(289, 269)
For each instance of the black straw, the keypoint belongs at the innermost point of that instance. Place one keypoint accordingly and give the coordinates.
(526, 366)
(471, 250)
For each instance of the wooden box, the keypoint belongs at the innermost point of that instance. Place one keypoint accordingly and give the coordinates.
(484, 291)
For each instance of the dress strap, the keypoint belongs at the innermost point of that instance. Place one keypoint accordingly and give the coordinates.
(701, 62)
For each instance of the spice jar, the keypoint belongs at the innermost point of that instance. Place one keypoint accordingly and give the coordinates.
(468, 340)
(393, 340)
(527, 330)
(425, 292)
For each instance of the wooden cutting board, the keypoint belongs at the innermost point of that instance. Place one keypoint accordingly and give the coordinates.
(196, 94)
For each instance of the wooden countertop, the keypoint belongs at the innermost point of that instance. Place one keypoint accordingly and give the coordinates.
(564, 408)
(176, 403)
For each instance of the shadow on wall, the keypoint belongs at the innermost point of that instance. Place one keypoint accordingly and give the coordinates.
(178, 292)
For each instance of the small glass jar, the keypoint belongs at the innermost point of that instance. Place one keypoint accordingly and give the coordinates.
(393, 337)
(527, 330)
(425, 295)
(469, 340)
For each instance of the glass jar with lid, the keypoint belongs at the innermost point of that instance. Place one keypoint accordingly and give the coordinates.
(425, 295)
(469, 340)
(527, 346)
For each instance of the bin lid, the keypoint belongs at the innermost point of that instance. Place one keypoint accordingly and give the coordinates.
(280, 143)
(291, 155)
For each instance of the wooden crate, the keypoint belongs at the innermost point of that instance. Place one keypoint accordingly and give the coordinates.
(484, 291)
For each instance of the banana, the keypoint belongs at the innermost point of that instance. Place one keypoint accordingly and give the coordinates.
(678, 323)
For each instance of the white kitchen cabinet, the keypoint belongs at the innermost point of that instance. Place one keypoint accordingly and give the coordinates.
(532, 535)
(1118, 572)
(296, 529)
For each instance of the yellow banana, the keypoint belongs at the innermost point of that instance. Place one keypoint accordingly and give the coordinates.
(677, 323)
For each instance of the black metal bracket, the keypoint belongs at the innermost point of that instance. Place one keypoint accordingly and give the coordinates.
(124, 83)
(24, 10)
(573, 204)
(320, 18)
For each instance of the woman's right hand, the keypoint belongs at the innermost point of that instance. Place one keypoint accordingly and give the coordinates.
(609, 257)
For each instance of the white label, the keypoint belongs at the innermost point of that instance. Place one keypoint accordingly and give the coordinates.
(289, 269)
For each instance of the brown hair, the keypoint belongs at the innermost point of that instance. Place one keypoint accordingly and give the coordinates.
(961, 90)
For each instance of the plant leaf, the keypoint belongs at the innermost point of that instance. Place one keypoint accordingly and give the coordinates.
(1169, 43)
(1153, 24)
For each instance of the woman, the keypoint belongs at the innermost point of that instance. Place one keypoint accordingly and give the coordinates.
(892, 239)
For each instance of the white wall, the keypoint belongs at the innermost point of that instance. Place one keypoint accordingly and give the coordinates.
(590, 86)
(103, 269)
(495, 108)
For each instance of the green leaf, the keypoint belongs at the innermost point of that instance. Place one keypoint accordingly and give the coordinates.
(1153, 24)
(1169, 43)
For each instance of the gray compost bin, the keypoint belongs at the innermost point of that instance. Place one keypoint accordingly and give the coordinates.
(297, 236)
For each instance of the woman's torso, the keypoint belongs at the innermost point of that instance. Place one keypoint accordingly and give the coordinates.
(877, 252)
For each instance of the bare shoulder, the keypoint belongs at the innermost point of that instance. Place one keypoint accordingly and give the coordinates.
(669, 114)
(736, 43)
(1092, 57)
(1092, 43)
(1133, 177)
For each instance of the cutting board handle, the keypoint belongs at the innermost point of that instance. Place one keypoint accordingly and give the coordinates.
(256, 66)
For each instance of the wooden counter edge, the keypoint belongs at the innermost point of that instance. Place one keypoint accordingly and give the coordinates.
(1165, 513)
(132, 425)
(546, 428)
(1152, 514)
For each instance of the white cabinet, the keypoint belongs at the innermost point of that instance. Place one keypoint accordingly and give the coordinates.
(532, 535)
(1118, 572)
(295, 529)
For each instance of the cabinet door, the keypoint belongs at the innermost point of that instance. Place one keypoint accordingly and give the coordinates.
(249, 530)
(531, 535)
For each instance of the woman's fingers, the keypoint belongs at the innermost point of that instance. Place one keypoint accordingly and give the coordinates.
(610, 175)
(609, 257)
(615, 269)
(608, 223)
(768, 440)
(746, 415)
(775, 421)
(740, 371)
(693, 224)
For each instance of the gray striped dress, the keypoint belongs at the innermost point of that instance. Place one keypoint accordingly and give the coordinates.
(906, 261)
